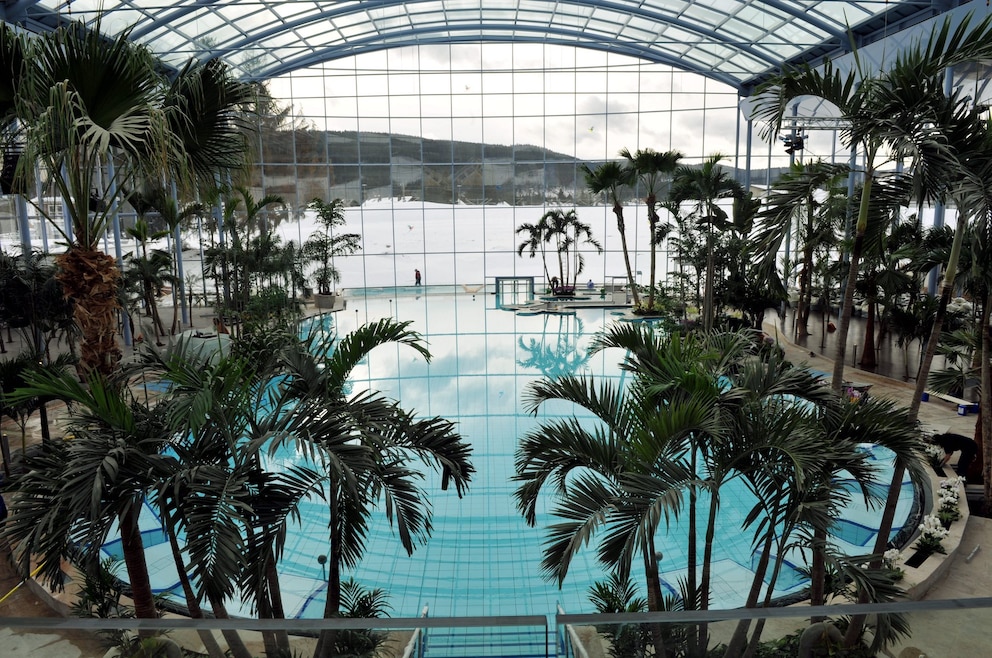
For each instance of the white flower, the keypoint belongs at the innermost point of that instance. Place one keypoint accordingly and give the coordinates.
(932, 528)
(892, 557)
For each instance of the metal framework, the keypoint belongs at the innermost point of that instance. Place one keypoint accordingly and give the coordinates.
(737, 42)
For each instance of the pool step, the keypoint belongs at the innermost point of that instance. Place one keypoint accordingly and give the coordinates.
(487, 643)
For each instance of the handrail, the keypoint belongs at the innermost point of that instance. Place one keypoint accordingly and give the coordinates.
(414, 643)
(576, 643)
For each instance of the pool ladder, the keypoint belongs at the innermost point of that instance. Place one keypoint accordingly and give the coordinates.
(512, 640)
(488, 643)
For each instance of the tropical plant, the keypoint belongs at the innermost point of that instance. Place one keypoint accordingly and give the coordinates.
(92, 110)
(668, 436)
(75, 491)
(903, 109)
(100, 596)
(563, 232)
(652, 169)
(618, 595)
(805, 196)
(149, 273)
(32, 302)
(360, 602)
(15, 373)
(612, 179)
(220, 496)
(371, 449)
(322, 246)
(535, 243)
(706, 185)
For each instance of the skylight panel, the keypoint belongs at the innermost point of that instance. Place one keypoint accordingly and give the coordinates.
(705, 16)
(845, 13)
(316, 31)
(286, 11)
(203, 22)
(747, 32)
(669, 7)
(795, 34)
(765, 17)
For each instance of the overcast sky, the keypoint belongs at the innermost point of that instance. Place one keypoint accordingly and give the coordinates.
(578, 102)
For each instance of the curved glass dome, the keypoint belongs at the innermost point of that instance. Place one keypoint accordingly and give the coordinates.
(735, 42)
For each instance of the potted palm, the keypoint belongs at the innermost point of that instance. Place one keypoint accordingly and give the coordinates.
(323, 245)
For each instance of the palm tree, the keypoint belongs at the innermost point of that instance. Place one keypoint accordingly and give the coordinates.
(566, 233)
(97, 113)
(231, 508)
(533, 243)
(149, 274)
(370, 449)
(651, 169)
(323, 246)
(794, 198)
(613, 178)
(669, 434)
(895, 110)
(706, 185)
(77, 489)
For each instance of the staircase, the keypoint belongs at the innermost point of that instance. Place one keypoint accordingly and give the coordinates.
(507, 642)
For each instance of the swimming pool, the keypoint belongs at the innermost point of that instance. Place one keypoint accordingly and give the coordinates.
(482, 559)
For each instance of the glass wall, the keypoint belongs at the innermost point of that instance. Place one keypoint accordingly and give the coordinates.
(440, 152)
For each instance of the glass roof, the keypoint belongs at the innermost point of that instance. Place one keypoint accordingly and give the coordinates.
(733, 41)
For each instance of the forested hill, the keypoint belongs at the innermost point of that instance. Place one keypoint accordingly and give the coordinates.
(433, 169)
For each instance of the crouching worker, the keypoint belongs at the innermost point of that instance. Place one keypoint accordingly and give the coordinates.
(952, 443)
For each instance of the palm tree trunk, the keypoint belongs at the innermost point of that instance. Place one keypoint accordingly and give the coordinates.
(234, 642)
(332, 604)
(618, 211)
(91, 279)
(704, 582)
(868, 353)
(192, 604)
(857, 624)
(985, 405)
(946, 289)
(654, 593)
(737, 642)
(818, 571)
(275, 601)
(759, 625)
(708, 298)
(137, 569)
(805, 293)
(847, 308)
(653, 224)
(692, 584)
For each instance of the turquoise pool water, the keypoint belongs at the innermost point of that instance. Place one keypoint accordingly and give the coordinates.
(482, 558)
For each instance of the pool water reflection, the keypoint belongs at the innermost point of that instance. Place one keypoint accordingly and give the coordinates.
(482, 559)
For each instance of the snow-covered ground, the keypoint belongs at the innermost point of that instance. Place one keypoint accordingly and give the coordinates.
(449, 244)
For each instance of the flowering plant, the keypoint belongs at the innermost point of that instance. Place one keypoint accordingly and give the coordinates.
(948, 499)
(891, 559)
(935, 456)
(932, 533)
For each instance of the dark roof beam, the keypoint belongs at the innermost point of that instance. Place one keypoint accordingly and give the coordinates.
(166, 18)
(15, 11)
(573, 38)
(618, 7)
